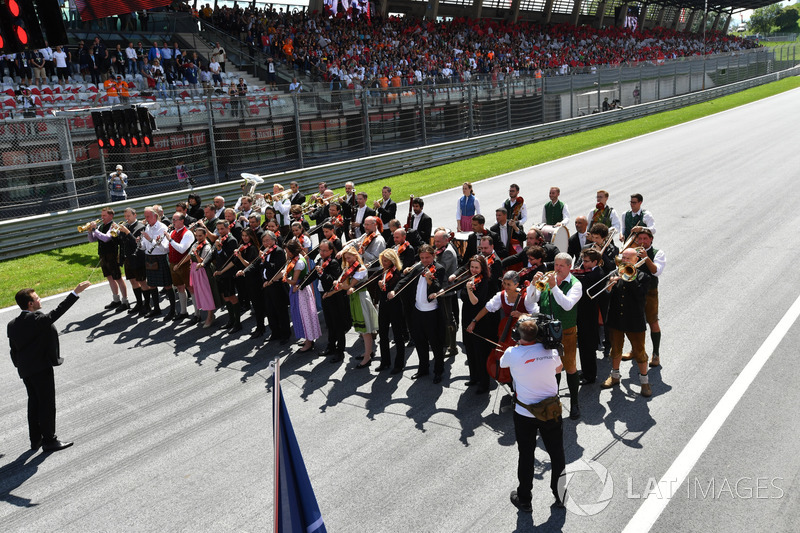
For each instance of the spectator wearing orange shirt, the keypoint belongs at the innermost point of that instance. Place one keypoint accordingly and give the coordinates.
(111, 91)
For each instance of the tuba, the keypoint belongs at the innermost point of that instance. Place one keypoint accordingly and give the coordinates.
(251, 181)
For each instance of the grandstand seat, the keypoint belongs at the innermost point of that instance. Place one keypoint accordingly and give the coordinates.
(9, 102)
(91, 88)
(35, 90)
(9, 91)
(48, 98)
(46, 89)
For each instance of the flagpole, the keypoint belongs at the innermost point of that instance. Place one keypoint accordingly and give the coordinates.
(276, 400)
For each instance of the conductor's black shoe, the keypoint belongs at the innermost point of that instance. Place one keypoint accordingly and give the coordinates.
(55, 445)
(257, 333)
(585, 381)
(437, 378)
(36, 444)
(123, 307)
(182, 316)
(329, 351)
(382, 367)
(152, 313)
(169, 316)
(525, 507)
(194, 319)
(235, 328)
(338, 358)
(397, 370)
(419, 374)
(574, 412)
(113, 305)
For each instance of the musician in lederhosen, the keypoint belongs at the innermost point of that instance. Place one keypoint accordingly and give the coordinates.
(626, 318)
(180, 241)
(108, 248)
(130, 236)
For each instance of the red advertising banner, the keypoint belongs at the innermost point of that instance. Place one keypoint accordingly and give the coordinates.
(98, 9)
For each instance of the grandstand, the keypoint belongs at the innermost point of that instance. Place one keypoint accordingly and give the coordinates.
(371, 84)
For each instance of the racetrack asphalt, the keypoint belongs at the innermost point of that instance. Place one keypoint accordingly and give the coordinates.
(172, 424)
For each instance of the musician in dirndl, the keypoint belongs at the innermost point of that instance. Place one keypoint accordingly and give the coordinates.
(302, 306)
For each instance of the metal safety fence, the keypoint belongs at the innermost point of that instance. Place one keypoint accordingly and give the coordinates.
(52, 163)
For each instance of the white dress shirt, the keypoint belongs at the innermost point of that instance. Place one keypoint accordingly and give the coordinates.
(421, 301)
(154, 246)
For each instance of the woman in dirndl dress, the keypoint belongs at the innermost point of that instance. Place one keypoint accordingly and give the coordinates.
(302, 307)
(299, 235)
(198, 279)
(365, 316)
(466, 207)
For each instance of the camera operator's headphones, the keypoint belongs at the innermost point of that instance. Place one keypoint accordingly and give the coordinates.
(525, 318)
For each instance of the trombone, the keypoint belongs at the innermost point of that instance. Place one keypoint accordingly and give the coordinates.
(84, 228)
(272, 198)
(626, 271)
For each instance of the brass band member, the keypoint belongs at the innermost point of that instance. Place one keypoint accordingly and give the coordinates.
(655, 263)
(555, 212)
(180, 240)
(604, 213)
(636, 217)
(130, 235)
(626, 318)
(155, 260)
(390, 313)
(108, 248)
(560, 300)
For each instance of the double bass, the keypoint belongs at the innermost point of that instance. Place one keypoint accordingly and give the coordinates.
(504, 340)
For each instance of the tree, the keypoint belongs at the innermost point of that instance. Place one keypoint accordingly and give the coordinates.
(787, 20)
(764, 18)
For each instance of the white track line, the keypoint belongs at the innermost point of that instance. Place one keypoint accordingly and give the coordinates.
(673, 479)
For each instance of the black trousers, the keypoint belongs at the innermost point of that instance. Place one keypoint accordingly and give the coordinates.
(426, 330)
(477, 354)
(41, 389)
(277, 308)
(257, 299)
(525, 429)
(588, 337)
(336, 312)
(390, 313)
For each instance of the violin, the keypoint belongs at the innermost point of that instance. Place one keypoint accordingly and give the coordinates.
(503, 375)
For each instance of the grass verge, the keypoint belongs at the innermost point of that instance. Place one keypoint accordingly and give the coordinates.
(60, 270)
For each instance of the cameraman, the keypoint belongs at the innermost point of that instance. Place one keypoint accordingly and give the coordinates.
(533, 369)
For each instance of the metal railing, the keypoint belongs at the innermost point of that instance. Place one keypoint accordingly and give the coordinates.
(55, 230)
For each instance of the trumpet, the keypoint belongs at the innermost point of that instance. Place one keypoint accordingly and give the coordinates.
(85, 227)
(114, 231)
(542, 283)
(271, 198)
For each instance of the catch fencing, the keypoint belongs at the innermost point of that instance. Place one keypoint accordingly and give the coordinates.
(53, 163)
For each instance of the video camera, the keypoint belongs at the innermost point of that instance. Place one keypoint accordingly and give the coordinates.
(550, 330)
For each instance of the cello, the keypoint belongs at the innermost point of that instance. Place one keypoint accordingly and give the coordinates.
(504, 340)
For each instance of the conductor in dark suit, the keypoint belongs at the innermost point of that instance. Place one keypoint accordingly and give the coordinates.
(35, 351)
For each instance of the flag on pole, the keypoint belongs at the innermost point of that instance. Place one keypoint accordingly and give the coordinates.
(296, 508)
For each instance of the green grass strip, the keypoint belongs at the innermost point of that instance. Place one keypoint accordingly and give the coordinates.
(60, 270)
